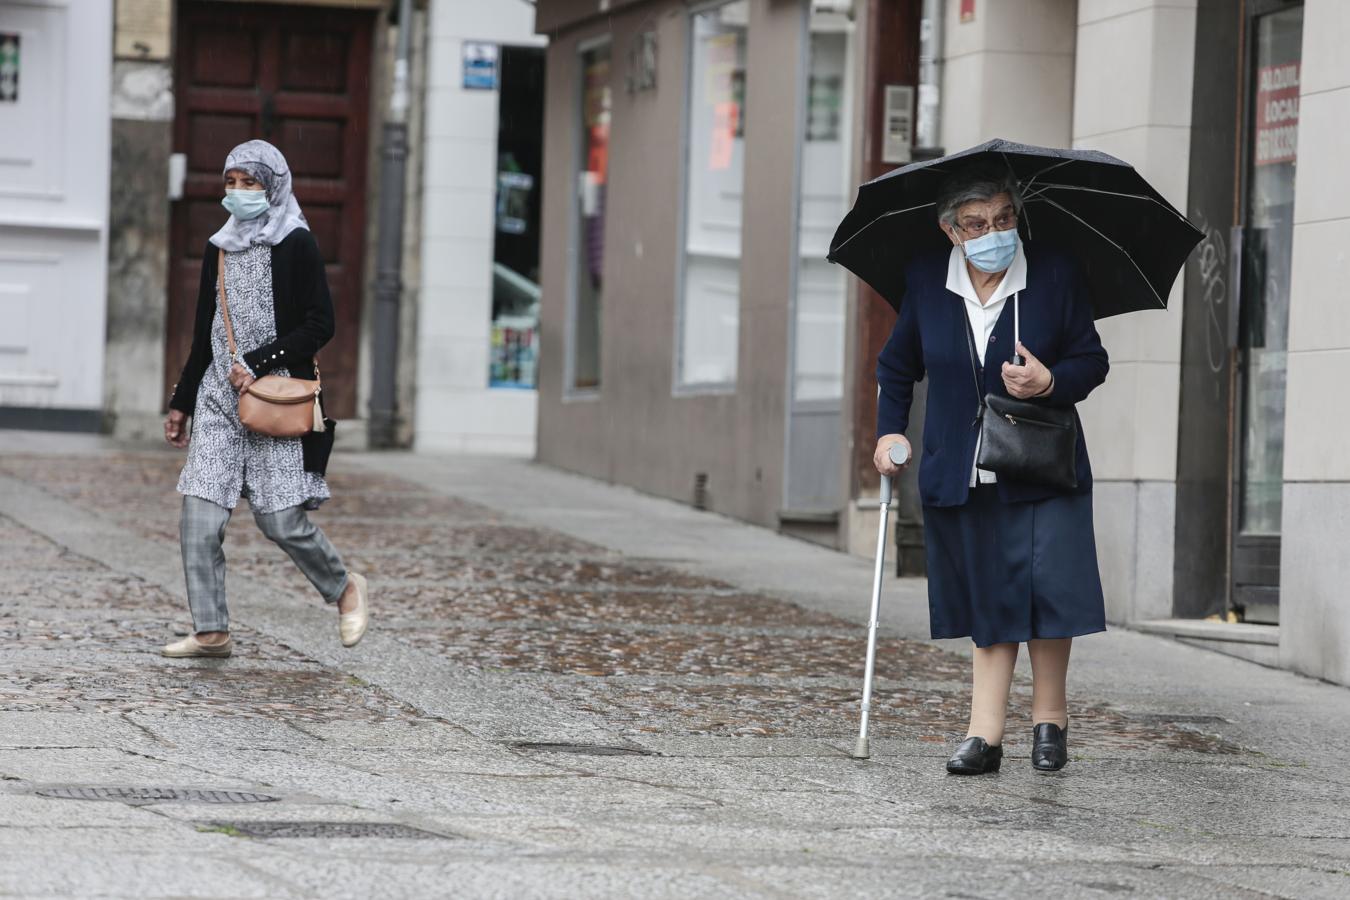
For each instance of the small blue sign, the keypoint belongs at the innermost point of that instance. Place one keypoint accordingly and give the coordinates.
(480, 66)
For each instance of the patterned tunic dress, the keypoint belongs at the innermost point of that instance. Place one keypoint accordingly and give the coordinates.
(225, 460)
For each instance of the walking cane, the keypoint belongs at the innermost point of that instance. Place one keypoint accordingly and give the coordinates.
(898, 454)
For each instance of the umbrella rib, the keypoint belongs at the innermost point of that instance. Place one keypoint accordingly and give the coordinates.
(1074, 187)
(894, 212)
(1032, 180)
(1161, 302)
(1026, 198)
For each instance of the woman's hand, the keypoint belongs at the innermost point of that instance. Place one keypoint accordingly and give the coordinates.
(175, 429)
(1032, 379)
(240, 378)
(881, 458)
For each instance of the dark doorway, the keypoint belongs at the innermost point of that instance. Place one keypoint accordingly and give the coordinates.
(298, 77)
(515, 254)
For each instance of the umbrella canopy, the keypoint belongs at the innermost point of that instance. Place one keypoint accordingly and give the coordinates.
(1130, 241)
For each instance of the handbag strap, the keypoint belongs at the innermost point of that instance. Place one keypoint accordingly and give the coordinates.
(229, 327)
(225, 309)
(976, 370)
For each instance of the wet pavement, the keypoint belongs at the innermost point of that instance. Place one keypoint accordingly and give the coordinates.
(412, 765)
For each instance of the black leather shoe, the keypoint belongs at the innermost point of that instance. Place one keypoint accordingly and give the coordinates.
(1050, 747)
(975, 757)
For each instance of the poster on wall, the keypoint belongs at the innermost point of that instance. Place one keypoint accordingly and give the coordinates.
(722, 65)
(513, 201)
(596, 106)
(824, 103)
(480, 66)
(9, 67)
(514, 359)
(1277, 114)
(723, 146)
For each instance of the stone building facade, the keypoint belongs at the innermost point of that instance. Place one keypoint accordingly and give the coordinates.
(1219, 466)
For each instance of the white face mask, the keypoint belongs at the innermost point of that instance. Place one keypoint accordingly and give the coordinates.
(992, 252)
(245, 205)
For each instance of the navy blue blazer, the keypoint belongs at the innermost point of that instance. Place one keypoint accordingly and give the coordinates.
(929, 339)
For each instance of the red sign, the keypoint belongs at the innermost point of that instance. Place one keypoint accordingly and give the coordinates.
(1277, 114)
(967, 10)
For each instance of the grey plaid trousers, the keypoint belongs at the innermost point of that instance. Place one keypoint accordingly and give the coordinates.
(202, 535)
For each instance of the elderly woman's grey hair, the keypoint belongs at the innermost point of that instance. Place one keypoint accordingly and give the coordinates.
(975, 183)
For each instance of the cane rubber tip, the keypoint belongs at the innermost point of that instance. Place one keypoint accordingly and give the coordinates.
(861, 750)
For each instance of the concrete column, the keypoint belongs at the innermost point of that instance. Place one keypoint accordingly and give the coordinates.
(138, 254)
(1132, 99)
(1315, 569)
(1008, 73)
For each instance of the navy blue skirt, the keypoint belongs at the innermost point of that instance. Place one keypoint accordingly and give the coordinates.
(1011, 572)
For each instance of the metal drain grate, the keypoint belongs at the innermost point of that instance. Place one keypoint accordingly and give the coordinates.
(583, 749)
(265, 830)
(153, 795)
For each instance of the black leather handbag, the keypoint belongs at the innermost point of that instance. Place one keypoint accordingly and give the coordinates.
(1024, 441)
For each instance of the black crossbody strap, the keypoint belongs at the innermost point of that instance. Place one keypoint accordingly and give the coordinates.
(976, 370)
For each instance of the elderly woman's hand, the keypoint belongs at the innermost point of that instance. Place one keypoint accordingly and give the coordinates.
(175, 429)
(240, 378)
(1031, 379)
(881, 457)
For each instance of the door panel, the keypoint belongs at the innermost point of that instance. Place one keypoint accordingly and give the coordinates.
(299, 78)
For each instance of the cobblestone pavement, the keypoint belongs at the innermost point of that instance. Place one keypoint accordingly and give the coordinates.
(429, 760)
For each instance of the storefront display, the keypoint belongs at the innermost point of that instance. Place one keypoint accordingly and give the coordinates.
(709, 316)
(588, 261)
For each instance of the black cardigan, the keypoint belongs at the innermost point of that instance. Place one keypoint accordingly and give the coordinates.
(304, 316)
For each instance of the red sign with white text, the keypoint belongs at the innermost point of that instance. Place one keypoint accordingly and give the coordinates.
(1277, 114)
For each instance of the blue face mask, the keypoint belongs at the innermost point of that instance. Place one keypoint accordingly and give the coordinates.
(245, 205)
(992, 252)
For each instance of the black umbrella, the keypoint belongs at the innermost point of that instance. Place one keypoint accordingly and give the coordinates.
(1130, 241)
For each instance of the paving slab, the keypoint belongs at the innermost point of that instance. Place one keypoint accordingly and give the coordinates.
(700, 675)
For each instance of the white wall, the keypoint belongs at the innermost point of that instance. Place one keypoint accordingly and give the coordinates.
(1008, 74)
(1132, 99)
(454, 408)
(1315, 569)
(54, 150)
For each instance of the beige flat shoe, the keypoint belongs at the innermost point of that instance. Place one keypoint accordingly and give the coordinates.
(352, 625)
(191, 647)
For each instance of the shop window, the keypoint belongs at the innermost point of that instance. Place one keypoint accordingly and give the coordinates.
(709, 305)
(1268, 243)
(588, 236)
(825, 192)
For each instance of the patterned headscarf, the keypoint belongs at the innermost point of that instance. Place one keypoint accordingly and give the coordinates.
(266, 164)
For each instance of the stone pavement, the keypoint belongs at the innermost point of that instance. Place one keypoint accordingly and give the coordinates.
(522, 615)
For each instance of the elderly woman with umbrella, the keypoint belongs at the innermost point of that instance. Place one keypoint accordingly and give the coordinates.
(999, 259)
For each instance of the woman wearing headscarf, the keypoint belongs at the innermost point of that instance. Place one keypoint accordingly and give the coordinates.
(281, 314)
(1008, 561)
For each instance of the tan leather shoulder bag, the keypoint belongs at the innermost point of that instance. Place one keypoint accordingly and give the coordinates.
(275, 405)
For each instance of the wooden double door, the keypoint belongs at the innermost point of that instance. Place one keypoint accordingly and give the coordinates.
(298, 77)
